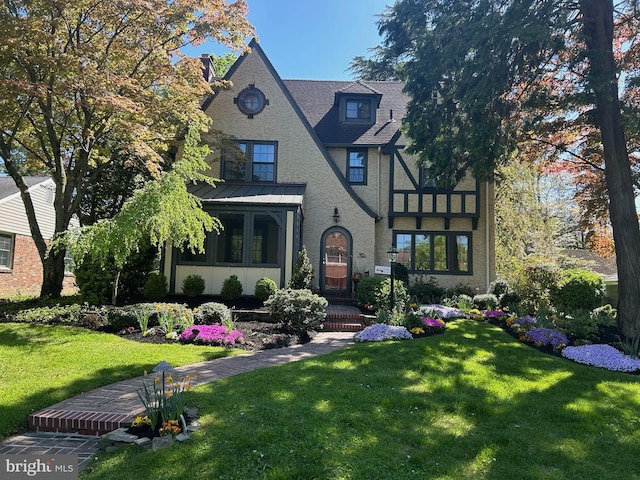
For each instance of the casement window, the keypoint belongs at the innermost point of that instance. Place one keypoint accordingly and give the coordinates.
(357, 166)
(435, 252)
(6, 252)
(247, 239)
(258, 164)
(358, 109)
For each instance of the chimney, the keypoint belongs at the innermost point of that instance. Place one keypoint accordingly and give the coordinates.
(207, 67)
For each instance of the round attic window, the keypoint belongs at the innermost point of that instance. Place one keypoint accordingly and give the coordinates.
(251, 101)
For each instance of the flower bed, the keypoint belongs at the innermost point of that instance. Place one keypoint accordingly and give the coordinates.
(603, 356)
(211, 335)
(380, 331)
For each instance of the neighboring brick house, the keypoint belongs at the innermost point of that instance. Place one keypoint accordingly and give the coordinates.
(325, 167)
(20, 266)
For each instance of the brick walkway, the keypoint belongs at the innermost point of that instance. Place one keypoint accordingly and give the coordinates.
(73, 425)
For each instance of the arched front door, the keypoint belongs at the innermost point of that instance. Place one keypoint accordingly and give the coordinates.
(336, 262)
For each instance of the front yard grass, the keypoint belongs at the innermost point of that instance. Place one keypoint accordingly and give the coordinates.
(470, 403)
(41, 365)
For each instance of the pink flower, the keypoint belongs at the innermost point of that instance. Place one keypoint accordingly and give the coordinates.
(433, 322)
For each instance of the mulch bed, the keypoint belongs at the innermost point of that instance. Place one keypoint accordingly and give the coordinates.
(257, 336)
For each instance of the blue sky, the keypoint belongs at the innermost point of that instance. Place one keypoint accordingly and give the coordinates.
(311, 39)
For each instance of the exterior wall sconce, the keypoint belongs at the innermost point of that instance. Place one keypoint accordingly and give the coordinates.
(336, 215)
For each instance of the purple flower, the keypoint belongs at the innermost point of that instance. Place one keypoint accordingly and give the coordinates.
(603, 356)
(525, 321)
(380, 331)
(493, 313)
(211, 334)
(432, 322)
(547, 336)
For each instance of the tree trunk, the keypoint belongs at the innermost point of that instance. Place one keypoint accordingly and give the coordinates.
(52, 275)
(597, 18)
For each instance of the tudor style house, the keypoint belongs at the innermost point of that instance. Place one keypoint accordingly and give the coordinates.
(323, 165)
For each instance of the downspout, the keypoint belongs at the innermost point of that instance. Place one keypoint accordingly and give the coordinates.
(487, 237)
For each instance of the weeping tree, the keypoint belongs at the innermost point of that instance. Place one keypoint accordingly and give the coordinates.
(161, 211)
(75, 76)
(485, 77)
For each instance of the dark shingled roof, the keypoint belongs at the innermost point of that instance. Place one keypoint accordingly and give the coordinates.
(316, 99)
(8, 186)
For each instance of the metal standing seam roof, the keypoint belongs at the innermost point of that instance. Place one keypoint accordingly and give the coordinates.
(253, 193)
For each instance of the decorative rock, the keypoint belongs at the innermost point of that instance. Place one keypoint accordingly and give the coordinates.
(161, 442)
(193, 427)
(191, 413)
(142, 442)
(119, 435)
(181, 437)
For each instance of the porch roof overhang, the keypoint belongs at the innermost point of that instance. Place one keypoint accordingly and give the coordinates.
(250, 193)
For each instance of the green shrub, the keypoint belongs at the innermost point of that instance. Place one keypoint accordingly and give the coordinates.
(231, 288)
(499, 287)
(461, 289)
(212, 312)
(509, 300)
(412, 320)
(428, 292)
(366, 290)
(462, 301)
(485, 301)
(119, 318)
(584, 326)
(265, 287)
(193, 285)
(57, 314)
(535, 284)
(302, 275)
(95, 279)
(156, 288)
(578, 289)
(383, 296)
(299, 309)
(401, 273)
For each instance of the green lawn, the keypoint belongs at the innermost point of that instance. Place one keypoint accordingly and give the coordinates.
(471, 403)
(41, 365)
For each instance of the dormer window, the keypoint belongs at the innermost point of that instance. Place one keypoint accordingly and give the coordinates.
(358, 110)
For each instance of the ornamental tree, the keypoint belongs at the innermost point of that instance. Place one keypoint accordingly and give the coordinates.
(485, 75)
(81, 78)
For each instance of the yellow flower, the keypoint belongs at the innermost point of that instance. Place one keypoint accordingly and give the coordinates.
(156, 380)
(169, 394)
(169, 380)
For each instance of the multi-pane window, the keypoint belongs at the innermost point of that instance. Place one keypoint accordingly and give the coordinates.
(247, 238)
(266, 239)
(434, 252)
(6, 251)
(257, 165)
(357, 166)
(358, 109)
(230, 240)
